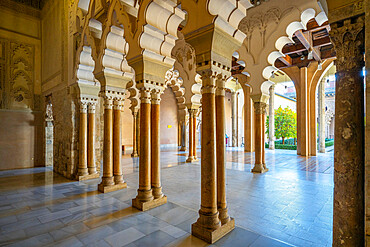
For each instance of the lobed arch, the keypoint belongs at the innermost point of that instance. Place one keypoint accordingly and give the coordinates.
(263, 29)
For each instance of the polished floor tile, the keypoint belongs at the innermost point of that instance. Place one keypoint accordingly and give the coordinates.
(291, 205)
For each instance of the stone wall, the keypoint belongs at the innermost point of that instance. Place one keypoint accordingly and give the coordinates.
(169, 123)
(21, 132)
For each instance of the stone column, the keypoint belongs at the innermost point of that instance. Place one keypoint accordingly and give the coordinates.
(220, 151)
(82, 165)
(191, 136)
(117, 141)
(259, 111)
(91, 140)
(272, 118)
(208, 213)
(349, 208)
(145, 189)
(248, 121)
(264, 140)
(135, 135)
(303, 113)
(183, 136)
(155, 145)
(107, 179)
(234, 121)
(195, 135)
(322, 116)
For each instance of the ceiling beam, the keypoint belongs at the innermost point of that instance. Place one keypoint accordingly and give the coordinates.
(306, 40)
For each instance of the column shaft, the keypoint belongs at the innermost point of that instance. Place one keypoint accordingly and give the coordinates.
(82, 166)
(194, 136)
(272, 118)
(155, 147)
(248, 121)
(134, 135)
(91, 141)
(191, 137)
(234, 119)
(144, 191)
(322, 117)
(259, 113)
(208, 214)
(220, 151)
(349, 153)
(183, 136)
(117, 143)
(107, 178)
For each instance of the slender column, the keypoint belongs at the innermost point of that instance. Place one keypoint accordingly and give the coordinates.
(220, 151)
(259, 111)
(91, 140)
(234, 119)
(195, 136)
(134, 132)
(303, 113)
(82, 166)
(264, 140)
(191, 136)
(208, 214)
(322, 117)
(248, 120)
(272, 118)
(155, 145)
(117, 141)
(183, 136)
(107, 178)
(145, 190)
(349, 153)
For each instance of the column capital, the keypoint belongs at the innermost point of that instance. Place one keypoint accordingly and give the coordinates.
(193, 113)
(156, 96)
(349, 44)
(220, 86)
(92, 106)
(260, 108)
(83, 106)
(145, 95)
(118, 104)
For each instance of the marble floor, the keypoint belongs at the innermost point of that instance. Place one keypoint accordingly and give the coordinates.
(291, 205)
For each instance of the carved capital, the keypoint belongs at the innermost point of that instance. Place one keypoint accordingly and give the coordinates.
(156, 96)
(145, 95)
(348, 41)
(193, 113)
(220, 86)
(118, 104)
(260, 108)
(92, 107)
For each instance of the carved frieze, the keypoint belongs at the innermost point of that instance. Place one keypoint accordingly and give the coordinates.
(16, 75)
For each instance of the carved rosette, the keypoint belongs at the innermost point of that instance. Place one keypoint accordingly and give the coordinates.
(260, 108)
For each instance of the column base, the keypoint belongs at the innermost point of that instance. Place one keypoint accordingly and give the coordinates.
(144, 206)
(259, 168)
(82, 172)
(134, 155)
(183, 149)
(87, 177)
(191, 159)
(109, 188)
(211, 236)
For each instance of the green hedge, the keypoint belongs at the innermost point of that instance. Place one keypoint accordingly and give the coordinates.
(329, 143)
(281, 146)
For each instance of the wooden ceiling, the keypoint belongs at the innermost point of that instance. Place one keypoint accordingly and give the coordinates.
(37, 4)
(312, 44)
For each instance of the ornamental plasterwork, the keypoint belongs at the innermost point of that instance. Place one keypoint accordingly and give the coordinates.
(260, 21)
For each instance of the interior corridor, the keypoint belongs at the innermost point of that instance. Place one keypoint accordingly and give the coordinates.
(289, 205)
